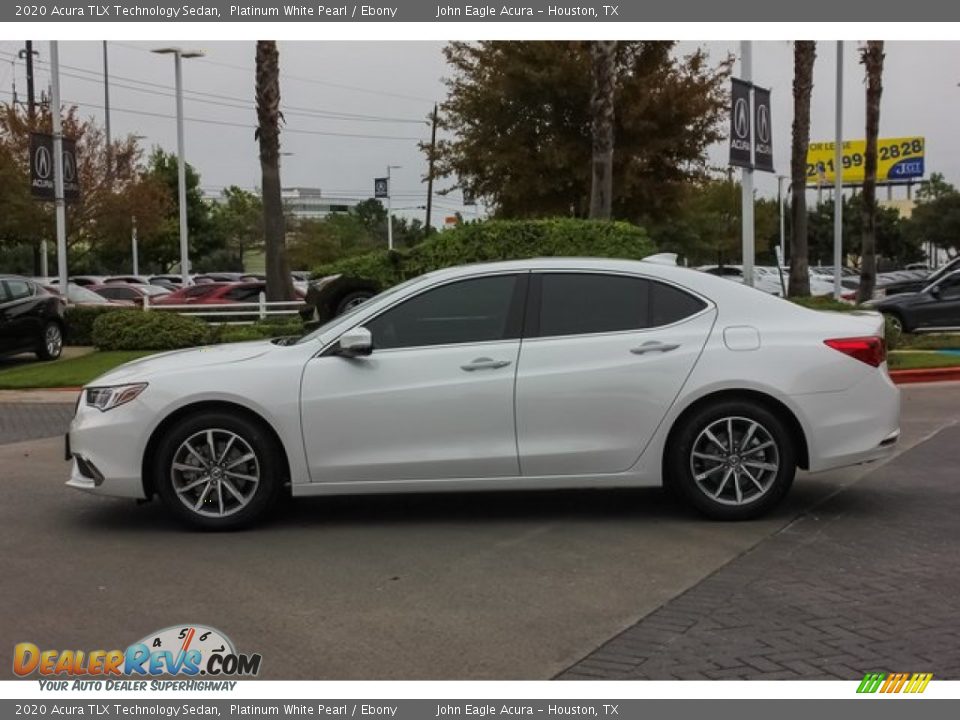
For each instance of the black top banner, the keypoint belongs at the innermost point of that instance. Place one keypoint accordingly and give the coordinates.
(459, 11)
(762, 130)
(42, 169)
(740, 124)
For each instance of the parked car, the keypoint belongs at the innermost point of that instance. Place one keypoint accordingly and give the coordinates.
(893, 284)
(130, 292)
(765, 279)
(935, 307)
(216, 293)
(84, 296)
(217, 277)
(129, 279)
(166, 280)
(31, 319)
(529, 374)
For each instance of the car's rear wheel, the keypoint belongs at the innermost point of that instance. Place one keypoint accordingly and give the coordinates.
(896, 322)
(50, 346)
(218, 471)
(733, 460)
(352, 300)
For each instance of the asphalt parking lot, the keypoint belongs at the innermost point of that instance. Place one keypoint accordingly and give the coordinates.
(855, 571)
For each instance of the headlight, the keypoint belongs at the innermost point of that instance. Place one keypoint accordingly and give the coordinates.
(107, 398)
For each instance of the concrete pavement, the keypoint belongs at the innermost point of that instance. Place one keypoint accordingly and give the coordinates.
(511, 586)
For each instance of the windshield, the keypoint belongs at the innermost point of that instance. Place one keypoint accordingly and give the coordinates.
(79, 294)
(353, 311)
(943, 271)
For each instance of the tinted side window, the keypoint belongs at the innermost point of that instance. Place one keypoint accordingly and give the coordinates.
(112, 293)
(17, 290)
(243, 294)
(669, 304)
(468, 311)
(577, 303)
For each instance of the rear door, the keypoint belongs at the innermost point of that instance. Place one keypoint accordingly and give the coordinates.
(603, 359)
(22, 313)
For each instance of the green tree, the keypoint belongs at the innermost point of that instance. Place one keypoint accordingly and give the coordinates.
(162, 248)
(804, 55)
(893, 243)
(518, 119)
(279, 283)
(602, 117)
(237, 221)
(936, 219)
(872, 58)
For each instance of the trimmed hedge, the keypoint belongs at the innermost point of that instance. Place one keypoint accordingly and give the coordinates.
(80, 319)
(891, 334)
(498, 240)
(139, 330)
(262, 330)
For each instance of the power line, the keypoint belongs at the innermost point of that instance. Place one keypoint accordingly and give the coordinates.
(204, 96)
(288, 76)
(225, 123)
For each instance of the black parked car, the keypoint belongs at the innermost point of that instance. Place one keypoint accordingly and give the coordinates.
(31, 319)
(889, 284)
(936, 307)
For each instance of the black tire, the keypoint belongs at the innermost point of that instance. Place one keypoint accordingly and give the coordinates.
(897, 319)
(252, 438)
(753, 501)
(352, 299)
(50, 344)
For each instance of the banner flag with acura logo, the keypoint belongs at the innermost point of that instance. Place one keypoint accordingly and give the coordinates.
(41, 168)
(740, 125)
(762, 130)
(381, 187)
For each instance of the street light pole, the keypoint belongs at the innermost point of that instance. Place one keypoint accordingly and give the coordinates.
(59, 202)
(106, 115)
(746, 184)
(838, 179)
(178, 55)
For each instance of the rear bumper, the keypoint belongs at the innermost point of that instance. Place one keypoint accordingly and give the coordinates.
(858, 425)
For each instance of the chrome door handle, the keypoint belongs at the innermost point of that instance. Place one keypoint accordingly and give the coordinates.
(485, 363)
(654, 346)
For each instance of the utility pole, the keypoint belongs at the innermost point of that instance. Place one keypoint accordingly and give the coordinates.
(433, 147)
(133, 243)
(390, 207)
(746, 185)
(58, 167)
(838, 179)
(39, 253)
(106, 114)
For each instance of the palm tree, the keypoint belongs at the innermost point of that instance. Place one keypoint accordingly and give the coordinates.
(871, 57)
(279, 283)
(804, 54)
(604, 56)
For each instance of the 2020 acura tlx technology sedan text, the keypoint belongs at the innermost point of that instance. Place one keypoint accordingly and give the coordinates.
(551, 373)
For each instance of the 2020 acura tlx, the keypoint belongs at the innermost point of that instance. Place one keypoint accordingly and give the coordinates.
(533, 374)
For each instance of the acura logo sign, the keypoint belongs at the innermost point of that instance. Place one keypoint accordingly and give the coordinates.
(42, 163)
(741, 118)
(763, 124)
(69, 168)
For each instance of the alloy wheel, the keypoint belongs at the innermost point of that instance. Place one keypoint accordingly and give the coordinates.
(215, 473)
(53, 340)
(735, 460)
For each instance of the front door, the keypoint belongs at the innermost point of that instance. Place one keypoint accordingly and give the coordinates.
(603, 359)
(434, 400)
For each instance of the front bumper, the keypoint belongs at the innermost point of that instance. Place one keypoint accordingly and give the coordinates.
(106, 450)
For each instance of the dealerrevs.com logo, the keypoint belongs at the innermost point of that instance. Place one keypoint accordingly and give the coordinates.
(180, 650)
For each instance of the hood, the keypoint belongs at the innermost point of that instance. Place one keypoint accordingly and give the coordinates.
(898, 300)
(144, 368)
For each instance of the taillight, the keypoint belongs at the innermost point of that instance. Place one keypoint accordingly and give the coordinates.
(870, 350)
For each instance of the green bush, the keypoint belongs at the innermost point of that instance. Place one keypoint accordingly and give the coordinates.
(498, 240)
(139, 330)
(80, 320)
(825, 302)
(930, 341)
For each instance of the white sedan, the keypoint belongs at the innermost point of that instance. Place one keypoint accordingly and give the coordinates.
(535, 374)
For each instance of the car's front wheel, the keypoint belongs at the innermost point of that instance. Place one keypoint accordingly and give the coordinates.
(733, 460)
(218, 471)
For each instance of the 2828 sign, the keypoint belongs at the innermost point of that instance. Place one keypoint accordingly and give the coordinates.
(898, 159)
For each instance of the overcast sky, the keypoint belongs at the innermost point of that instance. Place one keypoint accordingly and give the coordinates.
(354, 107)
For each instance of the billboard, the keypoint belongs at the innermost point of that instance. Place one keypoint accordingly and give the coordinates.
(898, 160)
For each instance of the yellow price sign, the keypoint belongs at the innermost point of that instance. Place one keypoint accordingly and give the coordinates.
(898, 160)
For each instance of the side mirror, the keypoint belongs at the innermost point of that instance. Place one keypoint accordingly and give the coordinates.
(356, 342)
(935, 291)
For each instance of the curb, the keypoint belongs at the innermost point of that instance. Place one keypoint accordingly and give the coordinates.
(907, 377)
